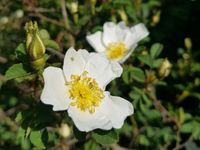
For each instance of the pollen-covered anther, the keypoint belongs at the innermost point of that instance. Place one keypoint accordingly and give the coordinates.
(85, 92)
(116, 50)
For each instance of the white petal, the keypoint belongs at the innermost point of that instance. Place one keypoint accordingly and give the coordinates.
(54, 91)
(84, 53)
(121, 31)
(109, 33)
(103, 70)
(136, 33)
(140, 30)
(122, 60)
(74, 63)
(95, 40)
(116, 109)
(86, 121)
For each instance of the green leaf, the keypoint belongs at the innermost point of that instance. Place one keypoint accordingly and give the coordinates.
(157, 63)
(16, 71)
(126, 129)
(121, 2)
(21, 53)
(105, 137)
(126, 75)
(145, 10)
(196, 130)
(138, 74)
(51, 44)
(78, 134)
(36, 139)
(143, 140)
(191, 145)
(21, 139)
(91, 146)
(147, 101)
(18, 117)
(21, 134)
(44, 34)
(186, 127)
(131, 12)
(152, 115)
(167, 134)
(146, 59)
(195, 94)
(156, 49)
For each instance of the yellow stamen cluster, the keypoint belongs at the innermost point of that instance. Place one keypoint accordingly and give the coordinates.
(116, 50)
(85, 92)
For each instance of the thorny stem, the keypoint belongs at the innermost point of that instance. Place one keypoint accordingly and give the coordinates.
(180, 146)
(158, 105)
(166, 116)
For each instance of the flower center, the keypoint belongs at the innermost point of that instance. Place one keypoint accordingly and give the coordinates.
(85, 92)
(116, 50)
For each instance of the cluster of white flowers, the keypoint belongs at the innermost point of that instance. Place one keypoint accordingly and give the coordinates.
(80, 86)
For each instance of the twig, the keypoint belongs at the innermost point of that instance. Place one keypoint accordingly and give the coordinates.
(7, 120)
(12, 110)
(189, 139)
(166, 117)
(42, 17)
(60, 55)
(64, 13)
(180, 146)
(40, 10)
(118, 147)
(3, 59)
(2, 78)
(165, 113)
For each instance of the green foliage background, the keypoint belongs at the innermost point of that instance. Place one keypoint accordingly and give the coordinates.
(167, 109)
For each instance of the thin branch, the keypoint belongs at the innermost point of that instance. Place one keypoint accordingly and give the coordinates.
(42, 17)
(64, 13)
(53, 51)
(165, 113)
(2, 78)
(180, 146)
(7, 120)
(118, 147)
(40, 10)
(3, 59)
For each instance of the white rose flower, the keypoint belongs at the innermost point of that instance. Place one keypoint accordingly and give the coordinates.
(80, 89)
(117, 41)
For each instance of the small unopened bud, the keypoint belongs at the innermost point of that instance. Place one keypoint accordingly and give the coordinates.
(123, 15)
(196, 81)
(4, 20)
(93, 3)
(34, 45)
(183, 95)
(188, 43)
(19, 13)
(73, 8)
(165, 68)
(151, 77)
(181, 115)
(156, 18)
(64, 130)
(36, 49)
